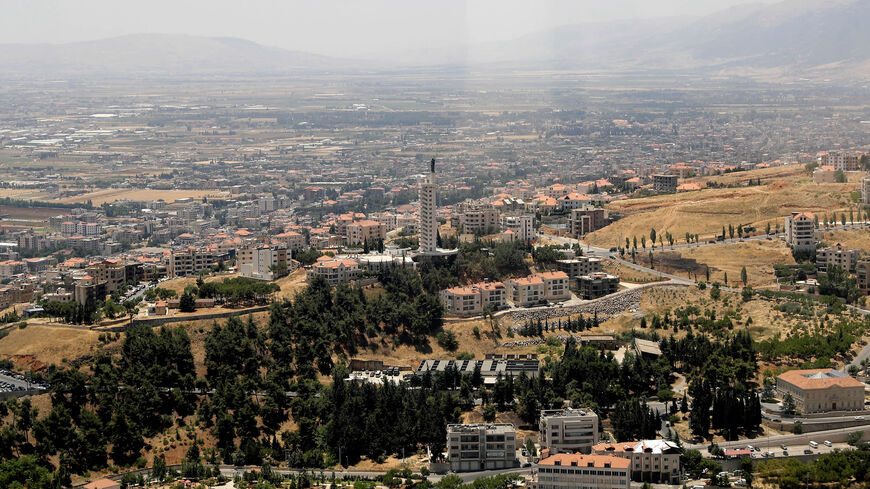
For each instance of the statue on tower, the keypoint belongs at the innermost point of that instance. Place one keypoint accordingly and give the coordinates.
(432, 168)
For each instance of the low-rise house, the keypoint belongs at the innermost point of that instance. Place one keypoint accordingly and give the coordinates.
(335, 271)
(597, 285)
(839, 256)
(473, 299)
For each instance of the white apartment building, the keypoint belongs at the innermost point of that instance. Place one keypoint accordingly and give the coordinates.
(568, 430)
(522, 225)
(573, 200)
(262, 262)
(577, 471)
(800, 231)
(428, 209)
(839, 256)
(334, 271)
(473, 447)
(656, 461)
(582, 265)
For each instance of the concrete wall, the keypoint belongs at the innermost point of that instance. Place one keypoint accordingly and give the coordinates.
(157, 321)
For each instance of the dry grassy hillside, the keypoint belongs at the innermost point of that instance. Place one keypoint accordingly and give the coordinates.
(705, 212)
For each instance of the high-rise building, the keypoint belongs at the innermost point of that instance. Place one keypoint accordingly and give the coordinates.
(800, 231)
(428, 218)
(865, 190)
(840, 160)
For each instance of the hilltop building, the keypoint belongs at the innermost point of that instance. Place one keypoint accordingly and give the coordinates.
(821, 390)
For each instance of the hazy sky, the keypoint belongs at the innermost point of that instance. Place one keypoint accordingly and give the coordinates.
(332, 27)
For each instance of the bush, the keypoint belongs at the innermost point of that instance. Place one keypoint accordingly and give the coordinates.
(447, 340)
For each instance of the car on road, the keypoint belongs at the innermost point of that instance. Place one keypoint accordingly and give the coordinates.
(828, 444)
(783, 446)
(613, 250)
(785, 453)
(807, 451)
(859, 418)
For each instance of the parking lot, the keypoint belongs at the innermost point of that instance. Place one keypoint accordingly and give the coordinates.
(11, 381)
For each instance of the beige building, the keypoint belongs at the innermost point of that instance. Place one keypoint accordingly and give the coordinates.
(364, 231)
(597, 284)
(472, 300)
(862, 274)
(577, 471)
(537, 289)
(334, 271)
(477, 220)
(800, 231)
(582, 265)
(291, 239)
(568, 430)
(190, 261)
(821, 390)
(262, 262)
(837, 255)
(865, 190)
(474, 447)
(585, 220)
(428, 223)
(842, 161)
(656, 461)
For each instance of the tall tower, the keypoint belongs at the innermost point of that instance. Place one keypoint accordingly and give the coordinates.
(428, 221)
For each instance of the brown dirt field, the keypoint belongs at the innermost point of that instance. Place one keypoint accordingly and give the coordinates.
(628, 274)
(45, 345)
(852, 239)
(178, 284)
(291, 284)
(705, 212)
(787, 172)
(36, 213)
(758, 256)
(110, 195)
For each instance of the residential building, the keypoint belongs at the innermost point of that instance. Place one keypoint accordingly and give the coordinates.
(568, 430)
(490, 368)
(478, 220)
(578, 471)
(556, 286)
(112, 272)
(10, 268)
(291, 239)
(473, 299)
(655, 461)
(335, 271)
(88, 290)
(262, 262)
(525, 291)
(190, 261)
(586, 219)
(862, 274)
(582, 265)
(842, 160)
(428, 217)
(15, 293)
(821, 390)
(865, 190)
(665, 184)
(800, 231)
(837, 255)
(573, 200)
(522, 226)
(473, 447)
(596, 285)
(365, 231)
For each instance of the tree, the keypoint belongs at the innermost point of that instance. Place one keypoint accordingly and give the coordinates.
(489, 413)
(652, 236)
(746, 468)
(788, 405)
(187, 303)
(743, 276)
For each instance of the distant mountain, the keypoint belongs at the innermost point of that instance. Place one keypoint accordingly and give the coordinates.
(830, 38)
(159, 54)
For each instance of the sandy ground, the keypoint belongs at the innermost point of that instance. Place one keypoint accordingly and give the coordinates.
(705, 212)
(38, 346)
(111, 195)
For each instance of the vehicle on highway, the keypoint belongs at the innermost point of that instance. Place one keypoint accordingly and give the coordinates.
(783, 446)
(828, 444)
(613, 250)
(859, 418)
(807, 451)
(814, 445)
(785, 453)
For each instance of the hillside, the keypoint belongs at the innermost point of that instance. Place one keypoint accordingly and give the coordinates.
(705, 212)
